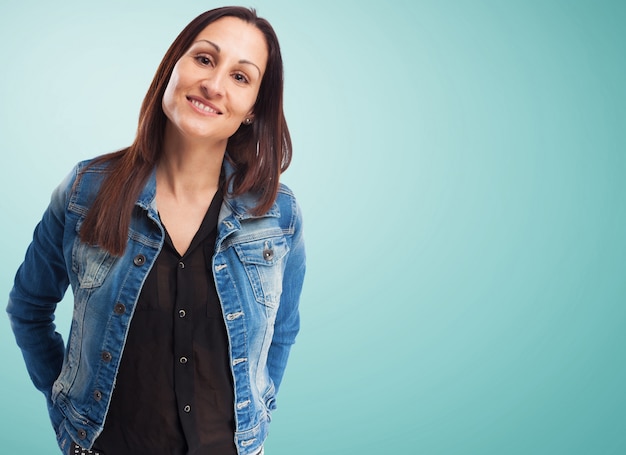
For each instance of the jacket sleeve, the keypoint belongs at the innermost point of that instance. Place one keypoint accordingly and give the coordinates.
(40, 283)
(287, 322)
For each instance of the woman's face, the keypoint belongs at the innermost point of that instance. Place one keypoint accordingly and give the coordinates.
(214, 85)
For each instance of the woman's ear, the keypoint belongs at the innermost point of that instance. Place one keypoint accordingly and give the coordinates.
(249, 118)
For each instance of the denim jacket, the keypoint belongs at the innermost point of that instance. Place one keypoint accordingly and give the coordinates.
(258, 266)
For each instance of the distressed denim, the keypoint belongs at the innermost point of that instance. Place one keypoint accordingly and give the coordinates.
(258, 265)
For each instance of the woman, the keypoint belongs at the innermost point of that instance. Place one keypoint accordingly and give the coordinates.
(185, 257)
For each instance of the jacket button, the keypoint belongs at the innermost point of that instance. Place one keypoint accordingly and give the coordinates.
(187, 409)
(106, 356)
(82, 434)
(268, 254)
(183, 360)
(139, 260)
(182, 313)
(119, 308)
(97, 395)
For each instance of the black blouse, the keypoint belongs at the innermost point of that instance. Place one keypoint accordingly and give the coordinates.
(174, 390)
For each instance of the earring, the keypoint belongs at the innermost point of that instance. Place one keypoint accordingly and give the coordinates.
(247, 121)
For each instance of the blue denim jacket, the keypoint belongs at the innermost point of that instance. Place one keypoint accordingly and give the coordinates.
(258, 265)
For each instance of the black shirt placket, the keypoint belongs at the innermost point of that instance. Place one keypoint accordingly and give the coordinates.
(183, 348)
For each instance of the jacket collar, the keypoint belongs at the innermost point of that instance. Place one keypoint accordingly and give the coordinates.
(147, 197)
(241, 206)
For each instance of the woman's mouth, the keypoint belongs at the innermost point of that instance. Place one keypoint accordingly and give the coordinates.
(203, 107)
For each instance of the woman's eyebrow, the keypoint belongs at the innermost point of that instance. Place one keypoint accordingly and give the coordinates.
(217, 48)
(248, 62)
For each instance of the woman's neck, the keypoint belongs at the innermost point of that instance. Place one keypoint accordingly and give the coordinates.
(187, 168)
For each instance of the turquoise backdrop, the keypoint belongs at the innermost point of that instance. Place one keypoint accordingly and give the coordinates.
(462, 170)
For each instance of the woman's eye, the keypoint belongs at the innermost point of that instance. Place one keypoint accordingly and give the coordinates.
(240, 78)
(203, 60)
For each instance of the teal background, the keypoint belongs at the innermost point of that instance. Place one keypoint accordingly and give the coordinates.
(461, 167)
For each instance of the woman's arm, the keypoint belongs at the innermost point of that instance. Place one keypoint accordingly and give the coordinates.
(40, 283)
(287, 322)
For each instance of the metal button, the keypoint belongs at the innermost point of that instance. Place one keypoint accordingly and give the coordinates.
(268, 254)
(82, 434)
(106, 356)
(181, 264)
(187, 408)
(183, 360)
(182, 313)
(119, 308)
(139, 260)
(97, 395)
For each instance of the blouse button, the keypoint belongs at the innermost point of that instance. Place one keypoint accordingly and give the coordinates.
(182, 313)
(139, 260)
(183, 360)
(187, 408)
(181, 264)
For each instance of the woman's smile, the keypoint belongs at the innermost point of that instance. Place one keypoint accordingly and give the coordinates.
(204, 106)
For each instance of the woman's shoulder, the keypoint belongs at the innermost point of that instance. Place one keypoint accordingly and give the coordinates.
(285, 190)
(286, 199)
(96, 165)
(288, 206)
(90, 166)
(83, 182)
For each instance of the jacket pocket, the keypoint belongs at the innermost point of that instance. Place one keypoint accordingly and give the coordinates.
(263, 262)
(91, 264)
(269, 401)
(269, 398)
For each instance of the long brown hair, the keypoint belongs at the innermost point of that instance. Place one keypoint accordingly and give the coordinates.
(259, 152)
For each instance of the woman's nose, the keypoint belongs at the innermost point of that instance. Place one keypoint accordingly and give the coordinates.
(213, 83)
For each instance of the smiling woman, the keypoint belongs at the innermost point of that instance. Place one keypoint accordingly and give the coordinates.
(210, 94)
(188, 234)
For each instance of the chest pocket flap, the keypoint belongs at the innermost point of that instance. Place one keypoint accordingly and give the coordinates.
(262, 260)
